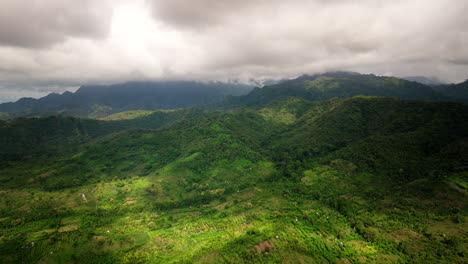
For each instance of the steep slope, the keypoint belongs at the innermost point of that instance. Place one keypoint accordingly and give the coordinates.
(455, 92)
(99, 101)
(25, 138)
(337, 84)
(55, 136)
(383, 134)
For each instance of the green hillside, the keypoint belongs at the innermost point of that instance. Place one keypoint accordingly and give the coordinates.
(55, 136)
(455, 92)
(128, 115)
(298, 179)
(336, 85)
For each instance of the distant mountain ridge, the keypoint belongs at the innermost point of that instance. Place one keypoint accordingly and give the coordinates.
(338, 84)
(345, 85)
(101, 100)
(458, 92)
(431, 81)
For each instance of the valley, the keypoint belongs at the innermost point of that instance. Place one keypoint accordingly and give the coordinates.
(333, 168)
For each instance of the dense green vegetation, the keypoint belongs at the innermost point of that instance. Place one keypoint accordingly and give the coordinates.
(55, 136)
(287, 180)
(336, 85)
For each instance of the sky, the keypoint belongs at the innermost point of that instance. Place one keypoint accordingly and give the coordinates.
(57, 45)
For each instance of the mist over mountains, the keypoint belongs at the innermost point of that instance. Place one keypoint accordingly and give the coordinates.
(100, 101)
(431, 81)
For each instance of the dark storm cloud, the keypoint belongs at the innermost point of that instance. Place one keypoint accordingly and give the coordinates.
(199, 13)
(34, 24)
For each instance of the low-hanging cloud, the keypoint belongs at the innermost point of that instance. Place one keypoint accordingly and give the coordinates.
(224, 39)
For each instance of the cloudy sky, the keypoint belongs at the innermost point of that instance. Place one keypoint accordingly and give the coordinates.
(56, 45)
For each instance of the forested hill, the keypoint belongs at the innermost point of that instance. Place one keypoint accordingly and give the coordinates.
(100, 101)
(275, 179)
(456, 92)
(342, 85)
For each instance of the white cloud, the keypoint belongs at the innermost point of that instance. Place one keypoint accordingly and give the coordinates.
(224, 39)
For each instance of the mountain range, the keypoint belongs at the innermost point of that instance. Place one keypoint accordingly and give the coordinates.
(331, 168)
(101, 101)
(98, 101)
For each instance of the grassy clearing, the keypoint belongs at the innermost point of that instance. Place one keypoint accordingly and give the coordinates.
(128, 115)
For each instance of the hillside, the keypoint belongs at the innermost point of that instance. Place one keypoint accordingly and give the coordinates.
(337, 84)
(430, 81)
(372, 131)
(455, 92)
(54, 136)
(291, 180)
(100, 101)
